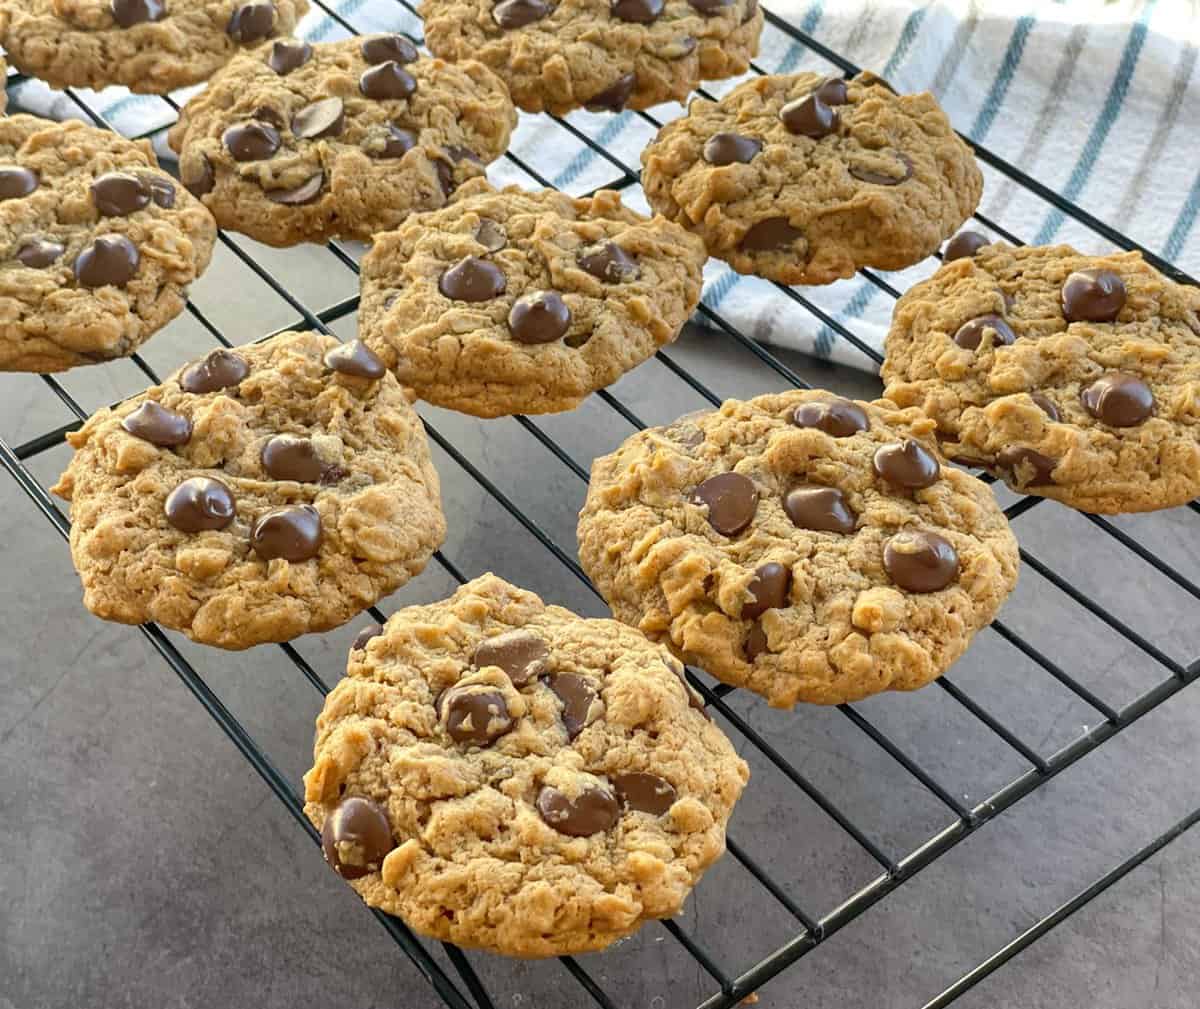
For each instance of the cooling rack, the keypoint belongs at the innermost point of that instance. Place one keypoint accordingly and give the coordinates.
(460, 986)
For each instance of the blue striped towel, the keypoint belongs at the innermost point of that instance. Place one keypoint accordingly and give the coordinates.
(1099, 101)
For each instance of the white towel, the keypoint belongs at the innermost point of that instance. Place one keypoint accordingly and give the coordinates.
(1099, 101)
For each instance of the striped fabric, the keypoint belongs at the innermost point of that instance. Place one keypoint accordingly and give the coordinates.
(1098, 100)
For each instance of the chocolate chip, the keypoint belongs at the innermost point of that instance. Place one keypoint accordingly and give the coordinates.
(292, 533)
(1028, 468)
(577, 695)
(822, 509)
(730, 148)
(874, 178)
(613, 97)
(218, 369)
(162, 189)
(964, 245)
(200, 503)
(607, 261)
(119, 194)
(158, 425)
(304, 193)
(756, 641)
(710, 7)
(445, 176)
(809, 117)
(592, 811)
(539, 317)
(356, 837)
(1118, 399)
(128, 13)
(970, 334)
(290, 457)
(769, 235)
(836, 417)
(355, 359)
(396, 144)
(202, 184)
(365, 635)
(1093, 296)
(521, 654)
(39, 253)
(642, 792)
(1046, 405)
(833, 91)
(640, 12)
(252, 22)
(110, 259)
(920, 561)
(16, 182)
(472, 279)
(382, 48)
(732, 501)
(288, 55)
(387, 81)
(768, 591)
(678, 49)
(324, 118)
(251, 141)
(458, 153)
(491, 235)
(907, 464)
(474, 716)
(519, 13)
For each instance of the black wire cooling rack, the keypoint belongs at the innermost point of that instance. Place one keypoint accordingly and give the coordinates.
(808, 930)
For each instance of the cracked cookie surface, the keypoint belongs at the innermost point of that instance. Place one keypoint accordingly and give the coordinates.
(807, 547)
(507, 775)
(1071, 377)
(148, 46)
(99, 244)
(510, 301)
(803, 179)
(258, 494)
(295, 142)
(594, 53)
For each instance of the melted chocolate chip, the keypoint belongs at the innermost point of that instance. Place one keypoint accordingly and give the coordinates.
(119, 194)
(592, 811)
(382, 48)
(519, 13)
(288, 55)
(1093, 296)
(577, 695)
(920, 561)
(732, 501)
(252, 22)
(964, 245)
(1028, 468)
(16, 182)
(613, 97)
(607, 261)
(292, 533)
(641, 12)
(289, 457)
(907, 464)
(355, 359)
(398, 143)
(768, 591)
(491, 235)
(970, 334)
(521, 654)
(304, 193)
(1118, 399)
(836, 417)
(365, 635)
(874, 178)
(158, 425)
(128, 13)
(162, 190)
(809, 117)
(711, 7)
(218, 369)
(642, 792)
(769, 235)
(822, 509)
(472, 279)
(251, 141)
(475, 717)
(324, 118)
(199, 184)
(833, 91)
(730, 148)
(356, 837)
(110, 259)
(39, 253)
(756, 641)
(539, 317)
(1046, 405)
(387, 81)
(198, 504)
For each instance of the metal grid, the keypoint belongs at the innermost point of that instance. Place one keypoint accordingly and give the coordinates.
(810, 930)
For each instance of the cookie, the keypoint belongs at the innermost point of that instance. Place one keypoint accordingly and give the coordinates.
(148, 46)
(506, 775)
(99, 244)
(293, 142)
(804, 179)
(807, 547)
(516, 302)
(595, 54)
(258, 494)
(1071, 377)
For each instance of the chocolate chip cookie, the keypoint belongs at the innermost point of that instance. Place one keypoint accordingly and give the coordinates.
(149, 46)
(808, 547)
(804, 179)
(296, 142)
(506, 775)
(256, 495)
(604, 56)
(99, 244)
(516, 302)
(1072, 377)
